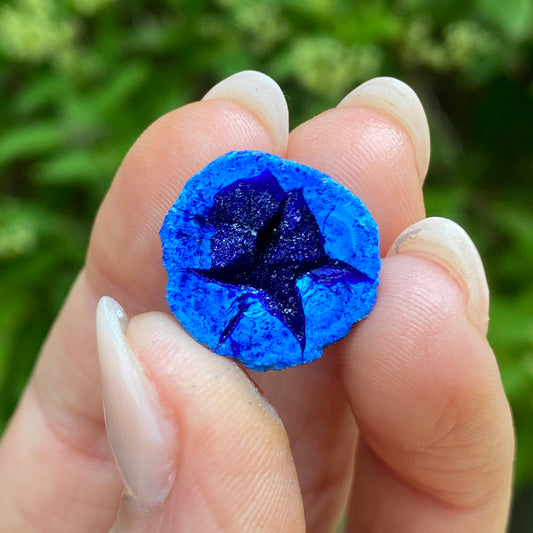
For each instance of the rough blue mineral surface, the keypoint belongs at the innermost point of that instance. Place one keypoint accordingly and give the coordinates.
(268, 261)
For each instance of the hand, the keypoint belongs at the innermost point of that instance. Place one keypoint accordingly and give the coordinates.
(405, 421)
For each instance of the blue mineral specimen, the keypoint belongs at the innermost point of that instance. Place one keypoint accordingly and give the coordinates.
(268, 261)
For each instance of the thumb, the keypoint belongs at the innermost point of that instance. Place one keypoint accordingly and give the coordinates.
(198, 447)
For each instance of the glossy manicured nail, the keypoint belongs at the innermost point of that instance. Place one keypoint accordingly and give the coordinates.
(446, 243)
(141, 435)
(262, 96)
(397, 100)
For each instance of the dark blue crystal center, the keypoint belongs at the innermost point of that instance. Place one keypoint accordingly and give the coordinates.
(266, 239)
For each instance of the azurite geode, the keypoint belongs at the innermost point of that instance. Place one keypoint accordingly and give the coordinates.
(268, 261)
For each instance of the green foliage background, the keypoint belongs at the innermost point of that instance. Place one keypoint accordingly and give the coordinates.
(80, 79)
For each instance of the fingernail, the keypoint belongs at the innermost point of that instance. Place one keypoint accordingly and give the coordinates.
(397, 100)
(141, 435)
(446, 243)
(261, 95)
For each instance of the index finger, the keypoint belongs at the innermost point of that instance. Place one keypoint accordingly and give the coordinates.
(366, 144)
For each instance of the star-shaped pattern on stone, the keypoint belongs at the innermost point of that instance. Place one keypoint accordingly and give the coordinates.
(266, 239)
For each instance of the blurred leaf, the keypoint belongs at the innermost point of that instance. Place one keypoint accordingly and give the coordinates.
(75, 166)
(119, 88)
(89, 7)
(372, 23)
(327, 67)
(514, 17)
(19, 229)
(29, 140)
(32, 30)
(43, 90)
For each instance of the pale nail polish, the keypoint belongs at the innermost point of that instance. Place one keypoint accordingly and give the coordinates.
(446, 243)
(397, 100)
(141, 435)
(262, 96)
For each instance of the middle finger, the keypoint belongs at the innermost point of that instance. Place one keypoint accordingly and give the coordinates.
(376, 144)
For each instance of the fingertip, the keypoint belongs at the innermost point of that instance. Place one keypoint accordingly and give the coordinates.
(230, 436)
(396, 99)
(261, 95)
(180, 361)
(141, 434)
(445, 242)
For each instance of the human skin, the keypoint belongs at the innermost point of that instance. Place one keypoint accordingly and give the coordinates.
(404, 423)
